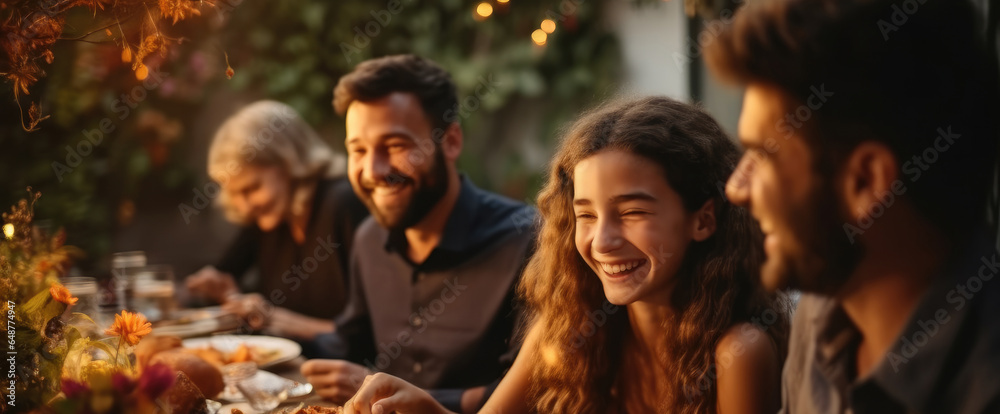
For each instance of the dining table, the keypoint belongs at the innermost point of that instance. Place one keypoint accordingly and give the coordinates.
(290, 370)
(204, 324)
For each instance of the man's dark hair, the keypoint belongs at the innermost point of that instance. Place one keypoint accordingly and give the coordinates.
(377, 78)
(900, 72)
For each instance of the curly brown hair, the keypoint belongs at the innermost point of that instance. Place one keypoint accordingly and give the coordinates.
(583, 347)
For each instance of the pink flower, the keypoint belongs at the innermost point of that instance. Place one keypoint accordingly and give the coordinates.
(123, 383)
(74, 389)
(156, 379)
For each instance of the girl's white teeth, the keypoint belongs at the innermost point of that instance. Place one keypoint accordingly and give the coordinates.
(618, 268)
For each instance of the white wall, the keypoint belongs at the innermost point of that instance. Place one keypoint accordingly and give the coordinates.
(650, 36)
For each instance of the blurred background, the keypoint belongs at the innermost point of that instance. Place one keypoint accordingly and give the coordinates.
(121, 159)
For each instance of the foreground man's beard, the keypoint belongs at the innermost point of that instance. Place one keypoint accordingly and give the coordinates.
(434, 185)
(821, 259)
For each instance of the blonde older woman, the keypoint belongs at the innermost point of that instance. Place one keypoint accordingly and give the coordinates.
(285, 185)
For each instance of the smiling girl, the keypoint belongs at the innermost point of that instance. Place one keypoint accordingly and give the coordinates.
(644, 288)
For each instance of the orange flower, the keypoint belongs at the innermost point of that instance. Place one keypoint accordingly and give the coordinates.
(131, 327)
(60, 293)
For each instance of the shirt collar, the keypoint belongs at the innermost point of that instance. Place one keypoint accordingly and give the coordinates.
(914, 366)
(457, 230)
(909, 372)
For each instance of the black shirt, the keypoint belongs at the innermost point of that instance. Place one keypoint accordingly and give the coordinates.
(309, 278)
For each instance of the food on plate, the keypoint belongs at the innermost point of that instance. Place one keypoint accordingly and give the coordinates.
(303, 409)
(204, 375)
(242, 353)
(211, 355)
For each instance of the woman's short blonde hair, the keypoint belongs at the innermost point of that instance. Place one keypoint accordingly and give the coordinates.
(271, 134)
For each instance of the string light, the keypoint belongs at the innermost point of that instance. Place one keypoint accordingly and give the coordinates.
(539, 37)
(8, 230)
(502, 1)
(484, 10)
(548, 26)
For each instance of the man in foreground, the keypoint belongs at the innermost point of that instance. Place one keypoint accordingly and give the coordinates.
(871, 135)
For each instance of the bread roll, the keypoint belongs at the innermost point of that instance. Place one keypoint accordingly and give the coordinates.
(207, 377)
(152, 345)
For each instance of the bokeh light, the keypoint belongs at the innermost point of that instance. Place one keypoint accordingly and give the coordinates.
(484, 9)
(548, 26)
(539, 37)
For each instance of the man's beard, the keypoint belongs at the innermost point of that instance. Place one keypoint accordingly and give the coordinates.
(824, 259)
(434, 185)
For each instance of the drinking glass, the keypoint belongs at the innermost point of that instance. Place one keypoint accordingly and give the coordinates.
(153, 291)
(123, 269)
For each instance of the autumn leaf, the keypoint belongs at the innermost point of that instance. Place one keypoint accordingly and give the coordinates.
(178, 9)
(149, 45)
(34, 117)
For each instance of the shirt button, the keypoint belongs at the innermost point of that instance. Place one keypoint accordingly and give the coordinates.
(417, 322)
(417, 368)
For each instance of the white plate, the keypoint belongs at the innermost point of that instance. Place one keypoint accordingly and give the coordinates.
(188, 330)
(287, 349)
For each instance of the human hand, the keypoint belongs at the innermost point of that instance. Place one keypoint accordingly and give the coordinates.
(212, 284)
(251, 308)
(333, 379)
(383, 393)
(289, 324)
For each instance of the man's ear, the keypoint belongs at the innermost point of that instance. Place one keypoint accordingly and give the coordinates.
(451, 142)
(704, 221)
(866, 176)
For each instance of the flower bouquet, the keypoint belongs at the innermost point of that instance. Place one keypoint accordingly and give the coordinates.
(33, 302)
(57, 363)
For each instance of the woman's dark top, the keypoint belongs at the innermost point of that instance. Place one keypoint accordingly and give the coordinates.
(310, 278)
